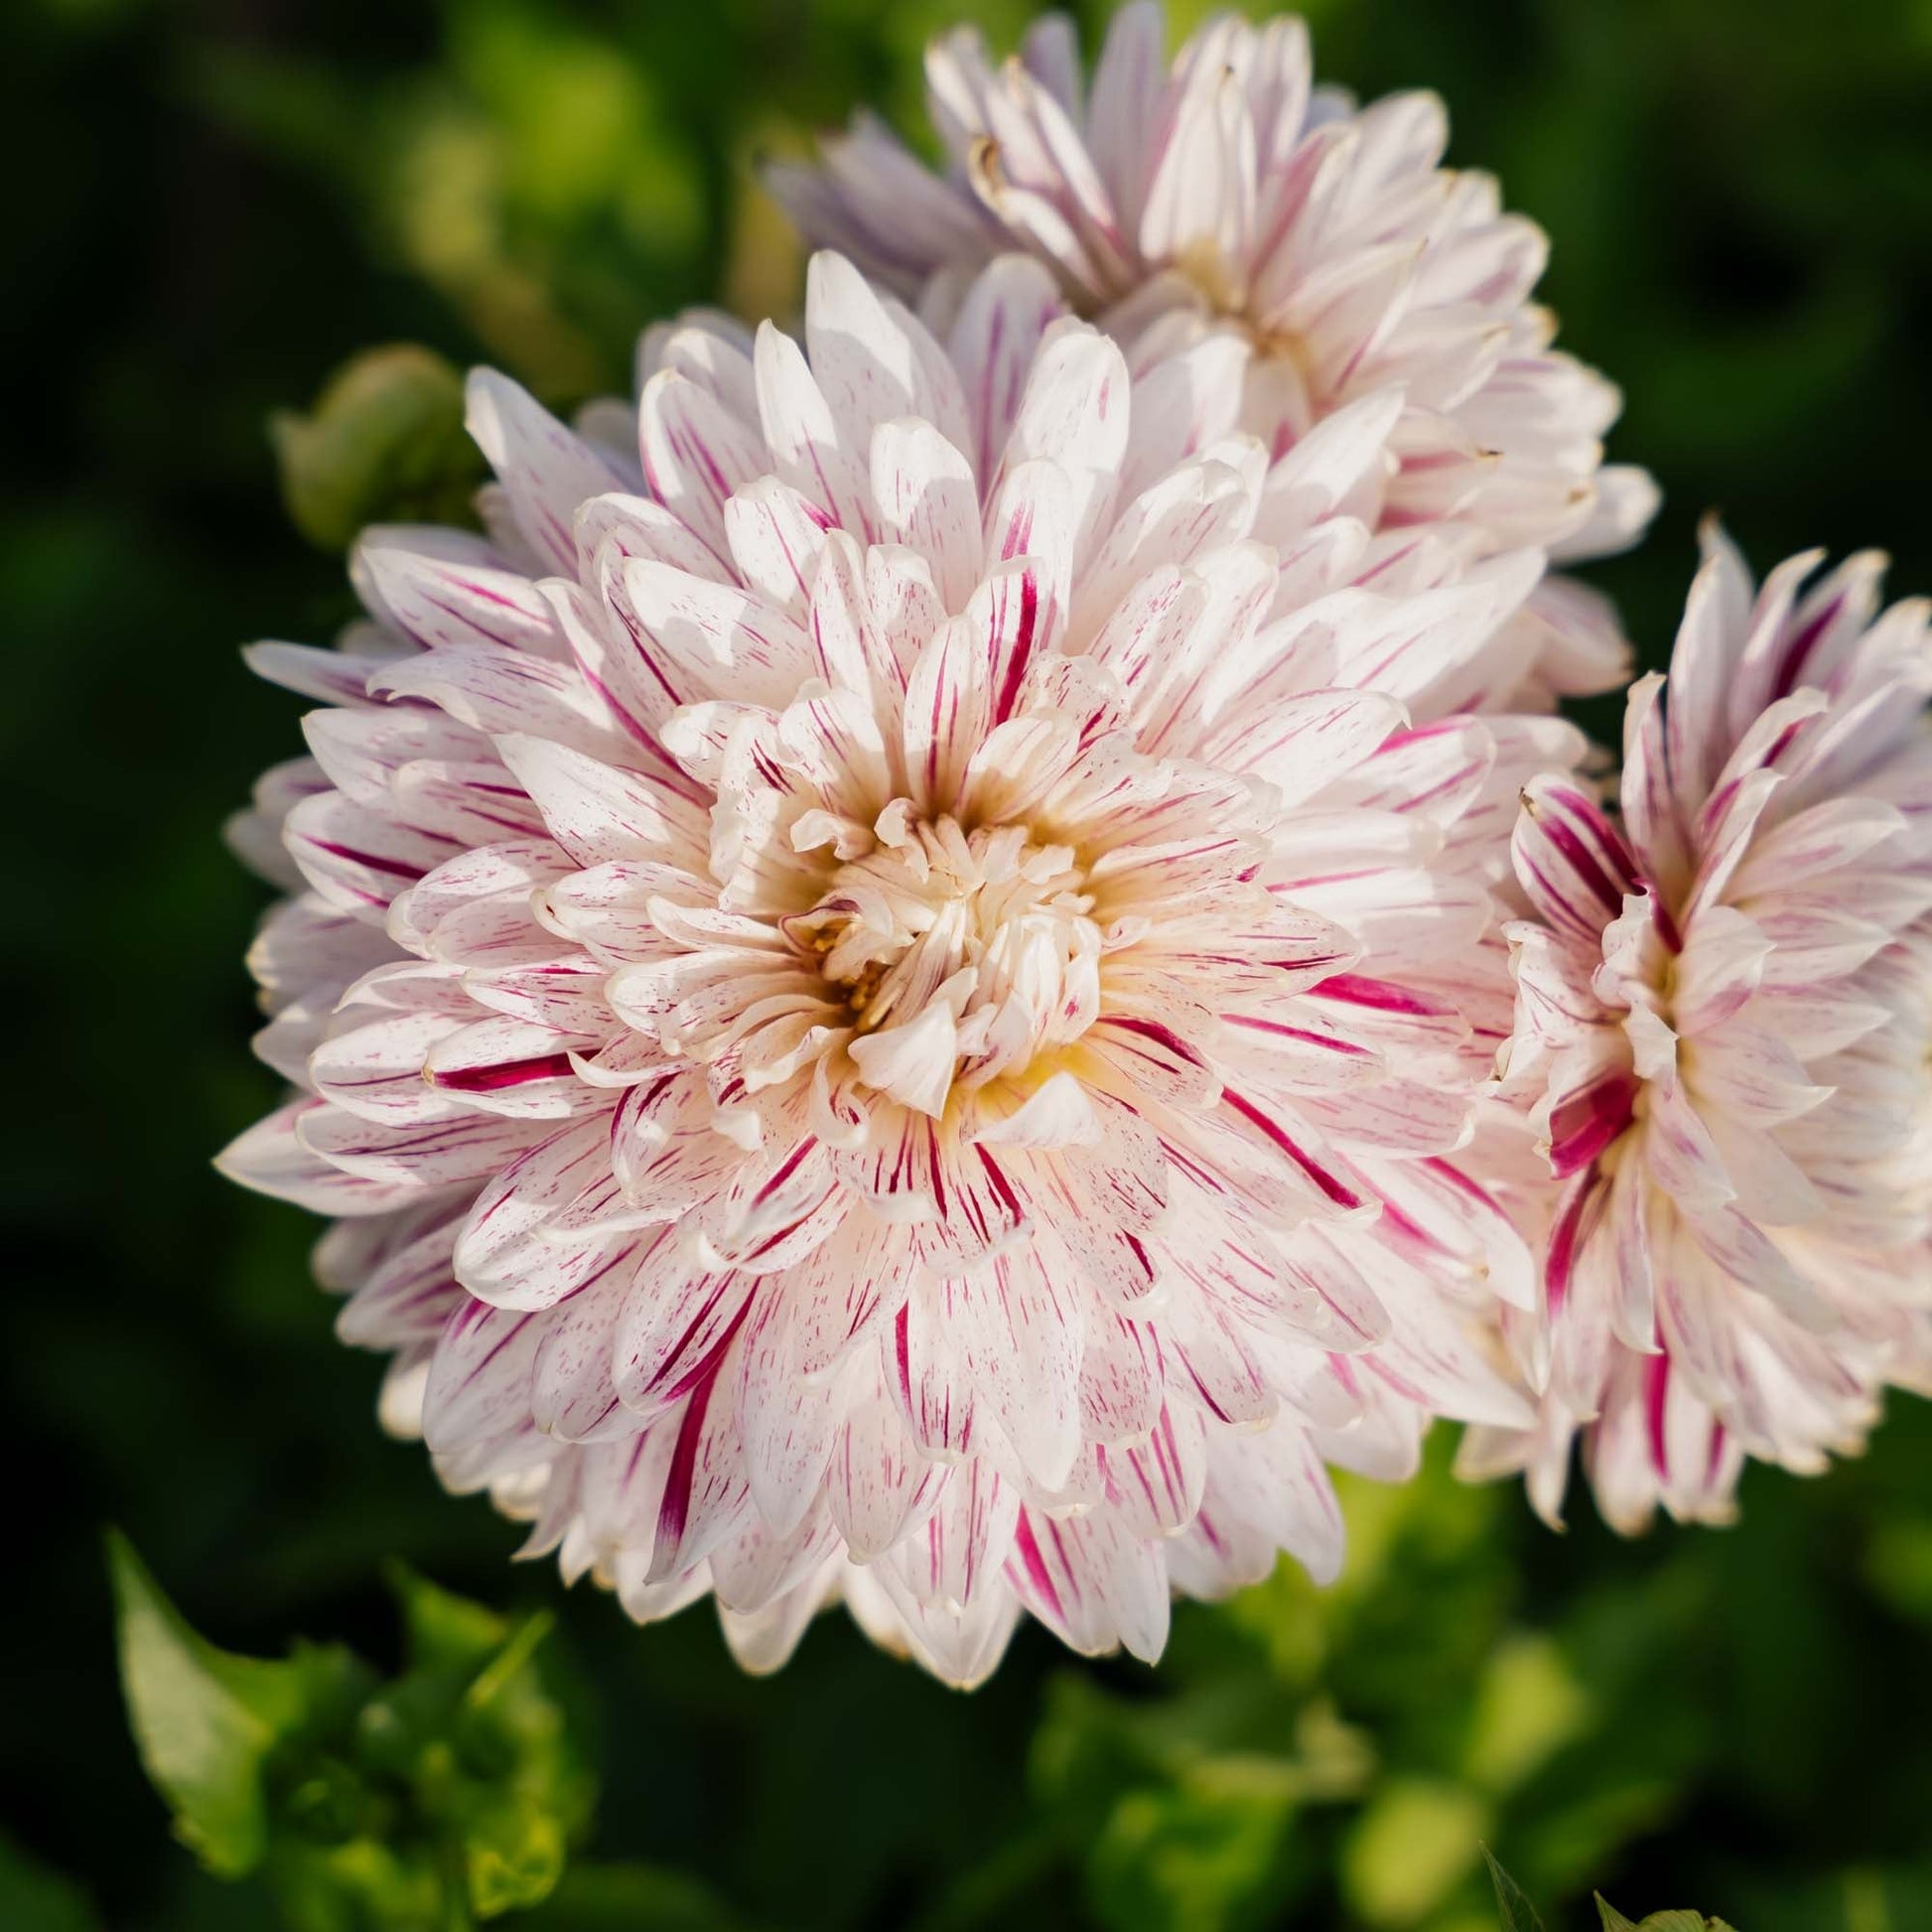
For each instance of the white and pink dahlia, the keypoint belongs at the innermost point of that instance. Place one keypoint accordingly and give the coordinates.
(887, 979)
(1224, 197)
(1724, 1024)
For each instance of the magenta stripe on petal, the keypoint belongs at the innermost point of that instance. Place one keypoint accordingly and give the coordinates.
(1656, 1386)
(1035, 1565)
(1799, 646)
(1586, 864)
(1020, 658)
(1588, 1122)
(1282, 1030)
(1576, 1220)
(676, 1506)
(509, 1073)
(1341, 1195)
(395, 868)
(1360, 991)
(701, 1376)
(1660, 918)
(1394, 1219)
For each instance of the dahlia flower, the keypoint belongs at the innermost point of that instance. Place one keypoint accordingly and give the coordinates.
(1724, 1014)
(1226, 198)
(885, 988)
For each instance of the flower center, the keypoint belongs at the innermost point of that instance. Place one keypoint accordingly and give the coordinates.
(962, 954)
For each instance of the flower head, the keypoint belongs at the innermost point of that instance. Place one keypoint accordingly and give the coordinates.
(1723, 1010)
(887, 990)
(1226, 200)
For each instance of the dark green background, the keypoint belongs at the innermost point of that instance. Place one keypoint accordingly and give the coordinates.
(210, 206)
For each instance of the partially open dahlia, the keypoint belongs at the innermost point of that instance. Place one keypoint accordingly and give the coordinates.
(1224, 197)
(1724, 1030)
(888, 977)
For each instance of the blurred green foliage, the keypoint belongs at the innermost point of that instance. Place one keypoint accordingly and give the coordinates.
(445, 1795)
(218, 203)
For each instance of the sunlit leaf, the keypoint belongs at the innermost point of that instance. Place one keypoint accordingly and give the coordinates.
(1517, 1913)
(1615, 1921)
(206, 1720)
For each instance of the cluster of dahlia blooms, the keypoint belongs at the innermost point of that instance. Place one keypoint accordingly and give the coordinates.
(920, 979)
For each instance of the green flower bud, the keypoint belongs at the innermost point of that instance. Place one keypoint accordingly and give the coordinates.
(385, 443)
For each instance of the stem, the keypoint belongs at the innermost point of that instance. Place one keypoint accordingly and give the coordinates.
(455, 1889)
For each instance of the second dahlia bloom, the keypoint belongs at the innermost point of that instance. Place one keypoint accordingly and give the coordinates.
(884, 989)
(1724, 1014)
(1225, 197)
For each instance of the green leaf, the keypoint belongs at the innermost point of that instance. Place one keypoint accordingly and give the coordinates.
(1518, 1914)
(500, 1674)
(206, 1720)
(1615, 1921)
(442, 1630)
